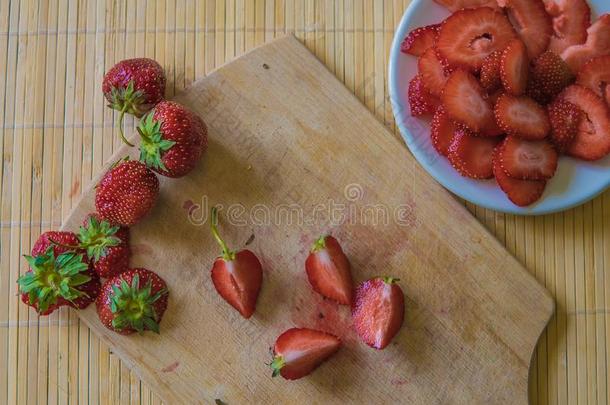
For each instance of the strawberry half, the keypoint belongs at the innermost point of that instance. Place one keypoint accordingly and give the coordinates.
(421, 101)
(522, 117)
(442, 130)
(328, 270)
(455, 5)
(528, 160)
(419, 40)
(551, 74)
(432, 72)
(472, 155)
(597, 44)
(299, 351)
(532, 23)
(571, 18)
(514, 67)
(565, 120)
(467, 37)
(378, 311)
(237, 276)
(490, 72)
(520, 192)
(595, 75)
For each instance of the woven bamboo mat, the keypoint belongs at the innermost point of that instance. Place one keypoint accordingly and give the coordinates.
(56, 134)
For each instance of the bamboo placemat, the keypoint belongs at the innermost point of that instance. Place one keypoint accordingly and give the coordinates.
(57, 133)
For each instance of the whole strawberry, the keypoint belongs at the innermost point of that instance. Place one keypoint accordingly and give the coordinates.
(133, 301)
(57, 275)
(107, 245)
(126, 193)
(134, 86)
(173, 139)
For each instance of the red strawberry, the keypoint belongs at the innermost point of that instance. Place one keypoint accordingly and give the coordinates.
(467, 37)
(442, 131)
(595, 75)
(597, 44)
(420, 99)
(592, 141)
(455, 5)
(465, 101)
(551, 74)
(490, 72)
(532, 23)
(419, 40)
(514, 67)
(237, 276)
(378, 311)
(571, 18)
(299, 351)
(133, 301)
(493, 97)
(565, 120)
(134, 86)
(522, 117)
(472, 155)
(328, 270)
(57, 275)
(126, 193)
(528, 160)
(432, 72)
(520, 192)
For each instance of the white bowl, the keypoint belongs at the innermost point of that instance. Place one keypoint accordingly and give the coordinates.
(575, 182)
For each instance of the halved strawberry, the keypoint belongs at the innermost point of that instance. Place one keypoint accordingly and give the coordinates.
(522, 117)
(597, 44)
(328, 270)
(571, 18)
(520, 192)
(592, 141)
(551, 74)
(514, 67)
(595, 75)
(490, 72)
(528, 160)
(421, 101)
(465, 101)
(468, 36)
(442, 130)
(532, 23)
(565, 120)
(299, 351)
(419, 40)
(432, 72)
(455, 5)
(472, 155)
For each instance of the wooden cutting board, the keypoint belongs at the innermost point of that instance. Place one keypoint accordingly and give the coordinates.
(293, 154)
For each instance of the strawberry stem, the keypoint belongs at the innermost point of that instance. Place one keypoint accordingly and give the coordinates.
(121, 116)
(227, 254)
(319, 244)
(276, 365)
(63, 245)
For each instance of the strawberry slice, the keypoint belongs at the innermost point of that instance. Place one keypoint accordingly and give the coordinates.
(595, 75)
(565, 120)
(528, 160)
(522, 117)
(490, 72)
(532, 23)
(420, 99)
(472, 155)
(597, 44)
(465, 101)
(432, 72)
(299, 351)
(520, 192)
(328, 270)
(467, 37)
(514, 67)
(551, 75)
(419, 40)
(442, 131)
(455, 5)
(378, 311)
(571, 18)
(592, 141)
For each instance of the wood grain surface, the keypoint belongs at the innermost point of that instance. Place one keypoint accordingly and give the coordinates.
(57, 134)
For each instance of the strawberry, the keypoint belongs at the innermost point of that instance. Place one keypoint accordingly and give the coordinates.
(57, 275)
(455, 5)
(419, 40)
(133, 301)
(493, 97)
(328, 270)
(514, 67)
(134, 86)
(597, 44)
(237, 276)
(528, 160)
(420, 99)
(432, 72)
(592, 141)
(565, 120)
(442, 130)
(551, 74)
(126, 193)
(471, 155)
(595, 75)
(520, 192)
(571, 18)
(378, 311)
(532, 23)
(467, 37)
(522, 117)
(299, 351)
(465, 101)
(490, 72)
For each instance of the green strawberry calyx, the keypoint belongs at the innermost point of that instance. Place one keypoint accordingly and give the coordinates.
(126, 100)
(390, 280)
(227, 254)
(153, 145)
(319, 244)
(133, 306)
(53, 277)
(276, 365)
(97, 236)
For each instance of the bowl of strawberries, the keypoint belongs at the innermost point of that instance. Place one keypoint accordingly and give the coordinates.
(504, 102)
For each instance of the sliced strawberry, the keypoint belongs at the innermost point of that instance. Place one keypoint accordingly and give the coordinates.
(419, 40)
(432, 72)
(565, 120)
(522, 117)
(467, 37)
(532, 23)
(592, 141)
(551, 74)
(571, 18)
(420, 99)
(455, 5)
(299, 351)
(328, 270)
(528, 160)
(490, 72)
(378, 311)
(520, 192)
(465, 101)
(597, 44)
(472, 155)
(514, 67)
(443, 129)
(595, 75)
